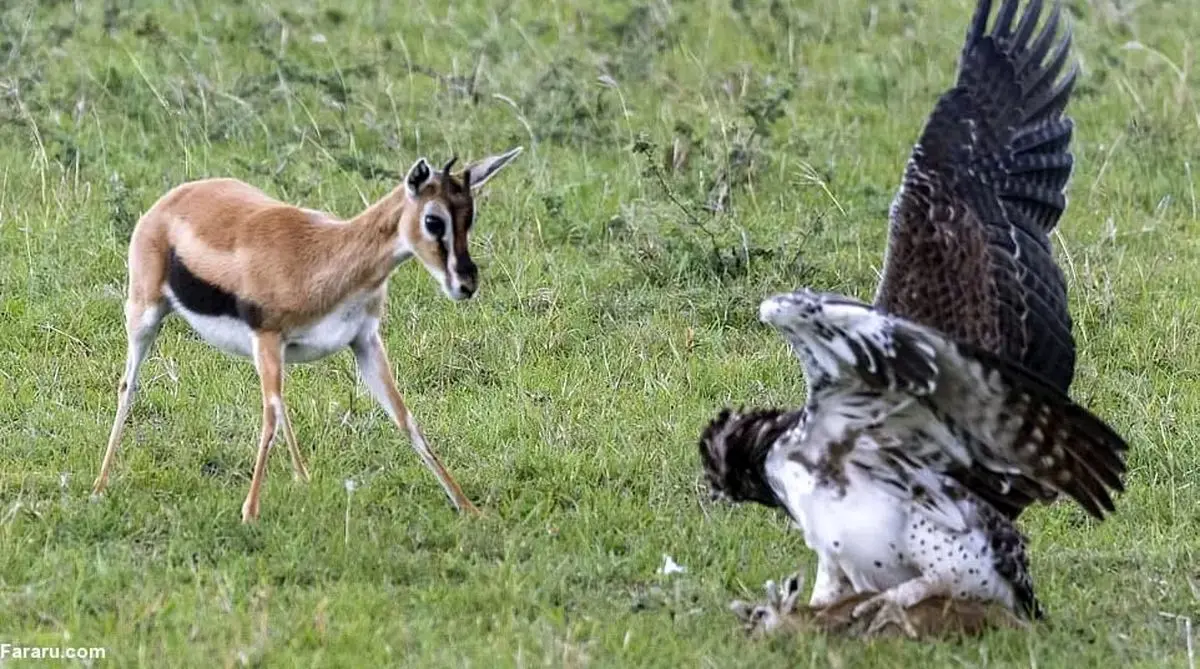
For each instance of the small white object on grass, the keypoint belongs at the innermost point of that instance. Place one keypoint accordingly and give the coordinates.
(670, 566)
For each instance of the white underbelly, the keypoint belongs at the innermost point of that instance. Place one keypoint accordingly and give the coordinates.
(862, 531)
(225, 333)
(332, 333)
(319, 339)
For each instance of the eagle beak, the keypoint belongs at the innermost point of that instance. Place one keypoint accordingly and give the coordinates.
(769, 310)
(785, 308)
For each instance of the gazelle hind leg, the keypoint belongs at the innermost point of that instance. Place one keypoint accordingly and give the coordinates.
(299, 469)
(376, 373)
(142, 324)
(268, 361)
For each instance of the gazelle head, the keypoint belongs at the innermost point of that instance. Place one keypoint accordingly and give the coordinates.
(438, 216)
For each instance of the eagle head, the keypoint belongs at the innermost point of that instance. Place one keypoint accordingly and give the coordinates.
(734, 448)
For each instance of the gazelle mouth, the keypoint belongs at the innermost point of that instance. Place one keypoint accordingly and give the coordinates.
(457, 290)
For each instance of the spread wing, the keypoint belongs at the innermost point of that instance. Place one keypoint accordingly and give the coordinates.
(968, 250)
(931, 404)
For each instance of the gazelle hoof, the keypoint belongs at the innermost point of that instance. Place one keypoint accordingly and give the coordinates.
(249, 513)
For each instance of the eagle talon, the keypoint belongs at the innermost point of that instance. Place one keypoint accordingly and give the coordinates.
(892, 613)
(871, 605)
(886, 611)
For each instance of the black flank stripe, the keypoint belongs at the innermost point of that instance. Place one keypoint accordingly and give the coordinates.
(199, 296)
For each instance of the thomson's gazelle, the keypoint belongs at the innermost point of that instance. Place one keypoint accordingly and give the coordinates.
(279, 284)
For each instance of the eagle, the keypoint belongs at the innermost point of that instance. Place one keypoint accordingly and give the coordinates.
(936, 415)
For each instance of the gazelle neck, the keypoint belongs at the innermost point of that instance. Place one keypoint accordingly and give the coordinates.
(364, 250)
(382, 224)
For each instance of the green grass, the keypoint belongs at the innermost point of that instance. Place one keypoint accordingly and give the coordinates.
(567, 398)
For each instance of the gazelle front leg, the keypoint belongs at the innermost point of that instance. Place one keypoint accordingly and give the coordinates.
(142, 322)
(268, 361)
(376, 373)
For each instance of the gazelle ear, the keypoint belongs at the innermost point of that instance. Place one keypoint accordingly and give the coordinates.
(418, 175)
(478, 172)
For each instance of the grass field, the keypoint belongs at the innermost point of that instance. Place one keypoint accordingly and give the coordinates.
(683, 159)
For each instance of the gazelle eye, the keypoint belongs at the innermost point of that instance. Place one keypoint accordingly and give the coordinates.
(435, 225)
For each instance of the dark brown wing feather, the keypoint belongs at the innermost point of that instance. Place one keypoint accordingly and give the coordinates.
(969, 251)
(1060, 445)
